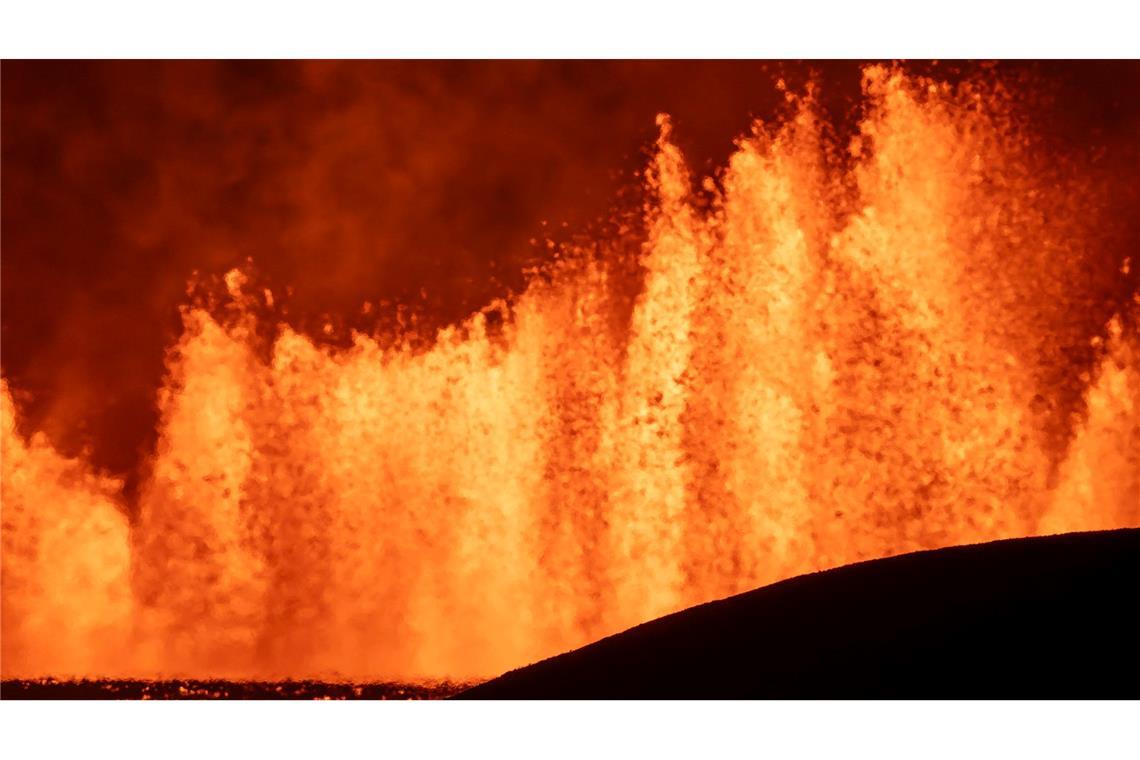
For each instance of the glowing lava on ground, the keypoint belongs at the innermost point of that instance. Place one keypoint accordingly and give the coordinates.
(834, 353)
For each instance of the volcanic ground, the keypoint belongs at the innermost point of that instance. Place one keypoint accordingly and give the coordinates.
(1049, 617)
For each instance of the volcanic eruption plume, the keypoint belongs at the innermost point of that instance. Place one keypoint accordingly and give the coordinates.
(920, 336)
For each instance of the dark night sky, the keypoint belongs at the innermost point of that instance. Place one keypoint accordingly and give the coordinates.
(350, 182)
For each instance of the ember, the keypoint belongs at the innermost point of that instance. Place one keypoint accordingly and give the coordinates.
(835, 353)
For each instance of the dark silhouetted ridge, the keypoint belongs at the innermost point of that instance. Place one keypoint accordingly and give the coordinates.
(1023, 618)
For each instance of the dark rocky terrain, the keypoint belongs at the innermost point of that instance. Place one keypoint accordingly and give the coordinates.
(49, 688)
(1051, 617)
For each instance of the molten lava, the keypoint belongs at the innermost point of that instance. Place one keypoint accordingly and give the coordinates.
(832, 355)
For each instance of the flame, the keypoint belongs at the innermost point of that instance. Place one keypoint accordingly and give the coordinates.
(841, 355)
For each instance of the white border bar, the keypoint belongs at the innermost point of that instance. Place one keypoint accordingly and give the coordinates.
(583, 28)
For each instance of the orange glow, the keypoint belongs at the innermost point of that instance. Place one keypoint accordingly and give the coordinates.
(838, 357)
(66, 560)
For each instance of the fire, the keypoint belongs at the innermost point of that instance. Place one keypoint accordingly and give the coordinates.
(832, 355)
(67, 604)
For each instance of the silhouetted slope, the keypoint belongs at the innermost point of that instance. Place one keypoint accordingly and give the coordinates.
(1025, 618)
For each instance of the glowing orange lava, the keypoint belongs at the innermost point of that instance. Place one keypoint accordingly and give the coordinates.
(839, 357)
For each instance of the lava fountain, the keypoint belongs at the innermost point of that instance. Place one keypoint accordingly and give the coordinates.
(831, 353)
